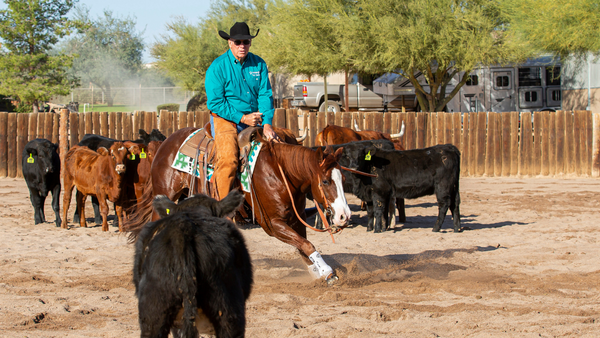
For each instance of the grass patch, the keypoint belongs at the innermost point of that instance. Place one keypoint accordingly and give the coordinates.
(105, 108)
(119, 108)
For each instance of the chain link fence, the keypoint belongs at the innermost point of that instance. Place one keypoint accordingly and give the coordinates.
(142, 98)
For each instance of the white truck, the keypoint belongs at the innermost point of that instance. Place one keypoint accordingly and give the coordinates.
(311, 96)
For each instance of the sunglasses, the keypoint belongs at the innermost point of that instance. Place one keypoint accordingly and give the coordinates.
(239, 42)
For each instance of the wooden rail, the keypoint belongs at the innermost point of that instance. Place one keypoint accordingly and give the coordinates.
(551, 144)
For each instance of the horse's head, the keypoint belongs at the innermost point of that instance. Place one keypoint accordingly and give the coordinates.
(327, 186)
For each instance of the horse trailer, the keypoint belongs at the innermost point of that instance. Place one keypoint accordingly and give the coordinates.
(531, 86)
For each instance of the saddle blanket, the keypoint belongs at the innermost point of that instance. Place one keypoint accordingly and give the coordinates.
(185, 164)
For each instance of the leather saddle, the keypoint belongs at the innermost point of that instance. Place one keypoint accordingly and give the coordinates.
(202, 149)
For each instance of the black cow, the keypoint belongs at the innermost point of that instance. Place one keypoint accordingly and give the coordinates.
(192, 261)
(352, 148)
(94, 142)
(407, 174)
(155, 135)
(41, 170)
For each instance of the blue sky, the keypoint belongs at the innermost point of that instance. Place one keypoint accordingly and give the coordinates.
(150, 15)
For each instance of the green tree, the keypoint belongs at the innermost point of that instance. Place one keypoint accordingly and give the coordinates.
(187, 50)
(186, 54)
(108, 51)
(305, 38)
(564, 27)
(436, 38)
(29, 29)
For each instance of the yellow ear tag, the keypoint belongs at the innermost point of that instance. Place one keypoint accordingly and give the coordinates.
(30, 159)
(142, 154)
(368, 157)
(168, 211)
(132, 157)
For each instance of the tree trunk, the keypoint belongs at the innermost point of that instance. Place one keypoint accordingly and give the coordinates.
(346, 98)
(325, 89)
(108, 94)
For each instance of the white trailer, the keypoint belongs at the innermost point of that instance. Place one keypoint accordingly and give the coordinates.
(532, 86)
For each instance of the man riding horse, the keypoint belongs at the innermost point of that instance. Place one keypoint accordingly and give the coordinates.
(239, 95)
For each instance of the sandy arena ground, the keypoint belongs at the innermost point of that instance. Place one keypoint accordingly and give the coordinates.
(527, 267)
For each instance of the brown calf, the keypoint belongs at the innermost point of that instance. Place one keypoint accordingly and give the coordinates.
(137, 177)
(287, 136)
(333, 134)
(98, 173)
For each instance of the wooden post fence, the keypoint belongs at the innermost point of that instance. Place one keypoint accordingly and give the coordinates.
(546, 144)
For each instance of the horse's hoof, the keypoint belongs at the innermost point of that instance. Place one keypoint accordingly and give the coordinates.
(332, 279)
(436, 230)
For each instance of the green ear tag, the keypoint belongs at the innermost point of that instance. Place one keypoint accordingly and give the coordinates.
(142, 154)
(168, 211)
(132, 157)
(30, 159)
(368, 157)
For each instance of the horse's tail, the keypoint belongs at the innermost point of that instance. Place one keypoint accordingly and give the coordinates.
(140, 214)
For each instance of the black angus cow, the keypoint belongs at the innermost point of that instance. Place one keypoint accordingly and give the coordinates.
(350, 149)
(192, 262)
(407, 174)
(94, 142)
(41, 170)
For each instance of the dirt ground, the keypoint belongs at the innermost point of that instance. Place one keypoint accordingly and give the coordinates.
(527, 266)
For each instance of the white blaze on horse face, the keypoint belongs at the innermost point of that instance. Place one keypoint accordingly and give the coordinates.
(341, 211)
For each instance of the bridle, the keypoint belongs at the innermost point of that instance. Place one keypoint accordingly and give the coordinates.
(326, 204)
(321, 214)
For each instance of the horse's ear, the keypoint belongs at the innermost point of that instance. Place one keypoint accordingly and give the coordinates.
(163, 206)
(228, 205)
(338, 153)
(320, 154)
(329, 149)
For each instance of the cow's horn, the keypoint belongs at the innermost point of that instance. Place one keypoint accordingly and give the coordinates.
(401, 133)
(303, 137)
(356, 126)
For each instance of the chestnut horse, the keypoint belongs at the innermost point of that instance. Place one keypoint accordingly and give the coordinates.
(305, 170)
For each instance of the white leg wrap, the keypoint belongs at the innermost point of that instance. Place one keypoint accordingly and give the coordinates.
(314, 272)
(319, 263)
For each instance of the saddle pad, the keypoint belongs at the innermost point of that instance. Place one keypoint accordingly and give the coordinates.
(246, 174)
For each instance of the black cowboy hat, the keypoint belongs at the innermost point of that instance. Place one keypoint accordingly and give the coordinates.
(239, 31)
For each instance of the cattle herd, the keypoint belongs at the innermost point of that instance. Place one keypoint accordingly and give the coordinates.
(192, 270)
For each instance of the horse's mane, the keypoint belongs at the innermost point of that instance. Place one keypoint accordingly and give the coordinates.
(297, 160)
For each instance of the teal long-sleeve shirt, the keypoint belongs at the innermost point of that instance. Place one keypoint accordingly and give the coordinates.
(234, 89)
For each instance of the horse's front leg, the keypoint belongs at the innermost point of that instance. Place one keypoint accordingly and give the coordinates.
(296, 236)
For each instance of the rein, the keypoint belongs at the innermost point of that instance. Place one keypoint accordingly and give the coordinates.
(323, 218)
(358, 172)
